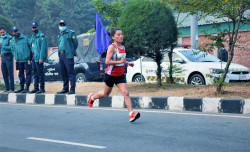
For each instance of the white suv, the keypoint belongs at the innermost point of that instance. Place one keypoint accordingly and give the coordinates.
(195, 66)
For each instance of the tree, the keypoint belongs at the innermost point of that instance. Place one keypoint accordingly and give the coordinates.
(19, 12)
(149, 27)
(79, 14)
(4, 22)
(111, 10)
(234, 12)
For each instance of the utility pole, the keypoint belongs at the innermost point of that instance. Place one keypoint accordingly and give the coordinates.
(194, 32)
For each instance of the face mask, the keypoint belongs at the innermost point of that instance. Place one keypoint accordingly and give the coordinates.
(2, 36)
(62, 28)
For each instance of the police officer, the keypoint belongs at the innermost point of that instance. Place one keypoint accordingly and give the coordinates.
(40, 54)
(7, 60)
(21, 49)
(67, 44)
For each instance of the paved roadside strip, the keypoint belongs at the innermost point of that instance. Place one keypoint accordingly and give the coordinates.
(210, 105)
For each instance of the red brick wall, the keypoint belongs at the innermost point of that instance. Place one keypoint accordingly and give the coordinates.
(241, 53)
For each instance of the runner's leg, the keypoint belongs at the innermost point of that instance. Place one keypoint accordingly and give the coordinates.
(104, 93)
(123, 87)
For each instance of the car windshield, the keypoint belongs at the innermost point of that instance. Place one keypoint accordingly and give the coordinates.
(199, 56)
(54, 56)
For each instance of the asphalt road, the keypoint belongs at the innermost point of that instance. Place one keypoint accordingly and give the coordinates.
(40, 128)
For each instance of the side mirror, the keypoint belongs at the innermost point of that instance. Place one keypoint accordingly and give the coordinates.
(179, 60)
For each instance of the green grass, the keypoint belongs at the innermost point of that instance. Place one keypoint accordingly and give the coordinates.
(2, 86)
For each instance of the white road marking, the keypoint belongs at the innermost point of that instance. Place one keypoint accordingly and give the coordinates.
(191, 113)
(66, 142)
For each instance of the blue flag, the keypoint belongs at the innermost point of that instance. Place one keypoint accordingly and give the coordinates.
(102, 39)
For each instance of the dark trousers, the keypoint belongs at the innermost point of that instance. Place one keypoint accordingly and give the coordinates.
(38, 75)
(8, 70)
(24, 66)
(68, 72)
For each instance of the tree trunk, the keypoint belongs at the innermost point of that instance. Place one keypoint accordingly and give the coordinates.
(170, 55)
(232, 41)
(231, 53)
(158, 73)
(233, 36)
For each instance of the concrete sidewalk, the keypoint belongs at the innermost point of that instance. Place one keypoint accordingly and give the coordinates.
(211, 105)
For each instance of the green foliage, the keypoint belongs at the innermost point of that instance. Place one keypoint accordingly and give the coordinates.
(149, 28)
(79, 14)
(7, 24)
(91, 31)
(176, 69)
(217, 80)
(111, 10)
(218, 8)
(19, 12)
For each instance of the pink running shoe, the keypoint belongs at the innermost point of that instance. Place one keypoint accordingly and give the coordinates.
(90, 101)
(134, 116)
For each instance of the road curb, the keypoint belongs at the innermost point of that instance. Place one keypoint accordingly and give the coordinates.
(212, 105)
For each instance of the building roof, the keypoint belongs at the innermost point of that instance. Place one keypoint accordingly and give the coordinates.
(184, 20)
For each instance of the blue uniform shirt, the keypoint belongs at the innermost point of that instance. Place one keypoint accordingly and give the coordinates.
(6, 48)
(67, 41)
(61, 46)
(39, 46)
(21, 48)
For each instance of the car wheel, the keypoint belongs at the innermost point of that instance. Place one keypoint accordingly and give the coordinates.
(138, 78)
(80, 77)
(196, 79)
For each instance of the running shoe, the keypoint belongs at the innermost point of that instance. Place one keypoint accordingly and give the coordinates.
(90, 101)
(134, 116)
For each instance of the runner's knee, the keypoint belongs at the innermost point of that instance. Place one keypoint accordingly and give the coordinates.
(125, 93)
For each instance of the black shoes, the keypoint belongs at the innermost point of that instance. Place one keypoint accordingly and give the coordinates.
(65, 91)
(25, 91)
(40, 91)
(62, 92)
(34, 91)
(71, 92)
(37, 91)
(18, 91)
(22, 90)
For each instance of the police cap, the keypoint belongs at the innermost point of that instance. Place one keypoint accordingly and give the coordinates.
(62, 22)
(34, 24)
(14, 29)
